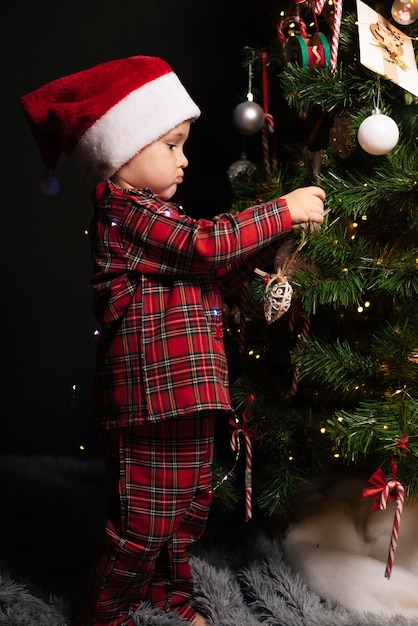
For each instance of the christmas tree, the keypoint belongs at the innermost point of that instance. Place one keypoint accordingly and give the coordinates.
(323, 347)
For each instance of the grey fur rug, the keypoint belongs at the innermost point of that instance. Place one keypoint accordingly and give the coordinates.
(52, 512)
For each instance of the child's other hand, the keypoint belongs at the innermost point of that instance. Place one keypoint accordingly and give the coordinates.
(306, 205)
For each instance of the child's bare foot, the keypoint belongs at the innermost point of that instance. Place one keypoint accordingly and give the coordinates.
(199, 620)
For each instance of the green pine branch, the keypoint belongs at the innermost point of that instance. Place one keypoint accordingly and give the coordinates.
(385, 432)
(334, 364)
(384, 363)
(339, 391)
(389, 187)
(394, 272)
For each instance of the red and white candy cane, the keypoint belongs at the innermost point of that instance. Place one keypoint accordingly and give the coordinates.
(241, 430)
(382, 490)
(336, 27)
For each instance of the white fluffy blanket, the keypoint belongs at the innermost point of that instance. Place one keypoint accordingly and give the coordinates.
(340, 547)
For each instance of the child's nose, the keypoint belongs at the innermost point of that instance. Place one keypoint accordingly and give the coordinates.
(183, 161)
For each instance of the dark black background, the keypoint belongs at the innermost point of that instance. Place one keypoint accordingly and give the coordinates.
(47, 326)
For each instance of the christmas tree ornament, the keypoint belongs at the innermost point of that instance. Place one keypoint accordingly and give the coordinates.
(389, 39)
(336, 27)
(240, 169)
(239, 429)
(248, 117)
(311, 52)
(405, 12)
(378, 134)
(300, 48)
(381, 491)
(277, 294)
(276, 291)
(390, 52)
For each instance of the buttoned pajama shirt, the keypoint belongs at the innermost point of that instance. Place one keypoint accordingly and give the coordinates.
(161, 379)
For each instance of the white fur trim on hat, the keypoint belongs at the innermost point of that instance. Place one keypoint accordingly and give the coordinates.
(138, 120)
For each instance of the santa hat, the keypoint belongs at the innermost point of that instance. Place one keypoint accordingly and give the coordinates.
(101, 117)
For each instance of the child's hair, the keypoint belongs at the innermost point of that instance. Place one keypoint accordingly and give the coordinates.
(101, 117)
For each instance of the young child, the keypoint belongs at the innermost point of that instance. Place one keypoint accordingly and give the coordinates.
(162, 375)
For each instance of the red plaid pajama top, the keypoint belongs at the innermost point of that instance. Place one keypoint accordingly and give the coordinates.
(157, 284)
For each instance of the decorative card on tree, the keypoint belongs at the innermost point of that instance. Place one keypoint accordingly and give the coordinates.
(385, 49)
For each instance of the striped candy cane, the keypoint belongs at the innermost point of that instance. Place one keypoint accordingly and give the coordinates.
(241, 430)
(396, 488)
(336, 27)
(382, 491)
(268, 129)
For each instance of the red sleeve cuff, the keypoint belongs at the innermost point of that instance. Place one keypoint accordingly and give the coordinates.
(285, 215)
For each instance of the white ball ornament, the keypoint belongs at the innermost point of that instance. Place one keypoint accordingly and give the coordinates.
(248, 117)
(378, 134)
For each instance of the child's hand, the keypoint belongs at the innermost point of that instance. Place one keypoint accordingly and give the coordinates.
(306, 205)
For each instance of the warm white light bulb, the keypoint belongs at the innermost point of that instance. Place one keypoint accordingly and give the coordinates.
(405, 12)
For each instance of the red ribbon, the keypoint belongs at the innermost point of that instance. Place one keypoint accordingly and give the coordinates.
(382, 490)
(402, 444)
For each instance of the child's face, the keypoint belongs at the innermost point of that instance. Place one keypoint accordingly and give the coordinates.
(159, 166)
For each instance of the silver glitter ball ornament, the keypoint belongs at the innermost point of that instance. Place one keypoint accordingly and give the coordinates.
(240, 168)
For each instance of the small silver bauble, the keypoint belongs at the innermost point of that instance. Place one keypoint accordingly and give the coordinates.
(248, 117)
(240, 168)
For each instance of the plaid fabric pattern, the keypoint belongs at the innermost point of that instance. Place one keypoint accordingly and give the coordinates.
(161, 486)
(157, 285)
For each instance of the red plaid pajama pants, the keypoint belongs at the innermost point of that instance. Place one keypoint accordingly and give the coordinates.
(161, 494)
